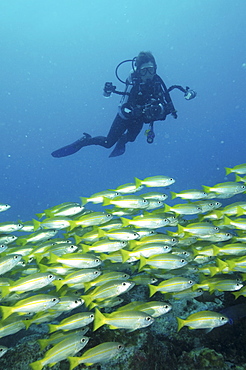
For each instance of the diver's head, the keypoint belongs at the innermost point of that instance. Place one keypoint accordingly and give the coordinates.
(145, 66)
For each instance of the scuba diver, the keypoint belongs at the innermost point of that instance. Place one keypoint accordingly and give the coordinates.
(146, 99)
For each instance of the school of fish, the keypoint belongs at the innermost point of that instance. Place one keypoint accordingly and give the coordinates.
(70, 257)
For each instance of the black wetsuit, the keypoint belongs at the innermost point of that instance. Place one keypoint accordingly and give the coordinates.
(127, 126)
(140, 95)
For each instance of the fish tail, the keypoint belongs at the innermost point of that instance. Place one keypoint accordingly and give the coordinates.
(125, 221)
(53, 258)
(36, 224)
(226, 220)
(87, 286)
(58, 284)
(99, 320)
(6, 312)
(5, 291)
(106, 201)
(181, 323)
(42, 268)
(228, 170)
(213, 270)
(84, 200)
(48, 213)
(222, 264)
(138, 182)
(239, 178)
(37, 365)
(72, 224)
(173, 195)
(236, 294)
(142, 263)
(167, 208)
(85, 248)
(87, 299)
(125, 255)
(216, 249)
(52, 328)
(206, 188)
(39, 215)
(240, 211)
(43, 343)
(152, 289)
(74, 361)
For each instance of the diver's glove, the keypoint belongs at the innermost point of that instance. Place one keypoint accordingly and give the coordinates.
(189, 94)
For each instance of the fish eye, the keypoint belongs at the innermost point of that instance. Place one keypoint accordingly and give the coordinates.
(16, 256)
(97, 260)
(223, 318)
(148, 318)
(182, 261)
(96, 272)
(166, 306)
(50, 276)
(145, 201)
(91, 316)
(120, 346)
(82, 340)
(190, 281)
(54, 299)
(108, 215)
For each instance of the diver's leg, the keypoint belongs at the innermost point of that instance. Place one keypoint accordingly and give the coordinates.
(71, 148)
(134, 129)
(118, 127)
(120, 147)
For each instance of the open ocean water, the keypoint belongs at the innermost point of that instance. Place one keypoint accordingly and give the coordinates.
(56, 56)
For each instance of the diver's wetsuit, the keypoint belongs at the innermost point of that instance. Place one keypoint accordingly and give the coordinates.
(128, 123)
(123, 130)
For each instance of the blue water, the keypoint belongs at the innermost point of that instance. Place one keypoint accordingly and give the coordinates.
(56, 56)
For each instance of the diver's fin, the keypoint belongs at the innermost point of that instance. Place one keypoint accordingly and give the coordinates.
(71, 148)
(120, 147)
